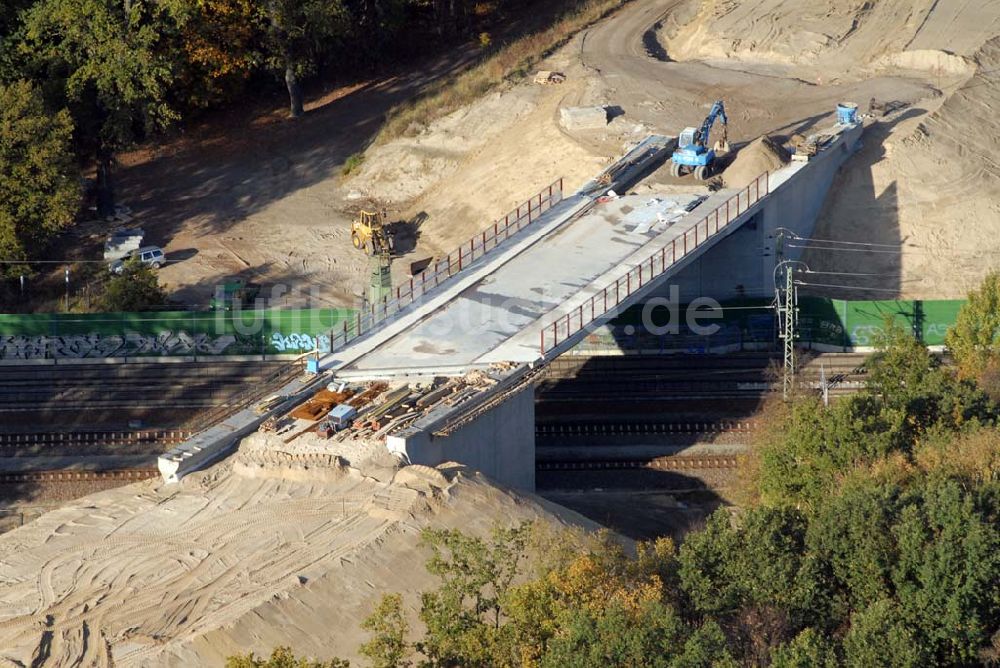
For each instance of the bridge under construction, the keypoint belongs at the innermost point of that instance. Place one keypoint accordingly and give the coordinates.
(452, 350)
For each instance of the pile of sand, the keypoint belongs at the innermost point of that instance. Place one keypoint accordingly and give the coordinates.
(230, 561)
(827, 39)
(761, 155)
(930, 186)
(466, 170)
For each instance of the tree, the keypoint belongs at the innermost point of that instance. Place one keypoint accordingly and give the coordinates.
(755, 576)
(219, 45)
(947, 570)
(39, 188)
(115, 62)
(10, 26)
(463, 617)
(706, 648)
(900, 366)
(908, 396)
(809, 649)
(651, 637)
(388, 647)
(297, 32)
(879, 637)
(137, 288)
(282, 657)
(851, 533)
(974, 339)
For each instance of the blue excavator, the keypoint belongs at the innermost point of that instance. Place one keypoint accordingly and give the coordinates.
(693, 154)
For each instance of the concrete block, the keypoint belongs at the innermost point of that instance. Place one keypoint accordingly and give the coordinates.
(583, 118)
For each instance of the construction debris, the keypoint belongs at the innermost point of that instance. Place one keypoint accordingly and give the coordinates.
(583, 118)
(320, 404)
(269, 403)
(381, 409)
(545, 77)
(369, 395)
(121, 242)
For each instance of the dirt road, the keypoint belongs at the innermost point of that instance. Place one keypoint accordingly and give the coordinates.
(628, 55)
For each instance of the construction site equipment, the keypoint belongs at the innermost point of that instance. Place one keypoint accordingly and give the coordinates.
(341, 416)
(693, 154)
(368, 233)
(847, 113)
(380, 283)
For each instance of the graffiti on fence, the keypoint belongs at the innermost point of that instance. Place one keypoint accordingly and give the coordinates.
(294, 343)
(98, 345)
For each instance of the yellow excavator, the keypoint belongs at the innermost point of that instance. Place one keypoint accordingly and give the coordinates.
(368, 233)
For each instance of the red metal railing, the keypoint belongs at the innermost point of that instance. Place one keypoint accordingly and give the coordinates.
(611, 297)
(406, 292)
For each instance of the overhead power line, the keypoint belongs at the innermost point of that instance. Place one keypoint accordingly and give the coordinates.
(846, 250)
(845, 287)
(797, 237)
(845, 273)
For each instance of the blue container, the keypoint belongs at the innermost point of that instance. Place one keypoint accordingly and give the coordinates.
(312, 366)
(847, 113)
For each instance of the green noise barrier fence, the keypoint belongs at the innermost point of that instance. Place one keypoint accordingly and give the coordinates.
(167, 334)
(751, 324)
(748, 324)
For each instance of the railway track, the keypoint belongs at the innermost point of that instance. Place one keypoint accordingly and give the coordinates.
(632, 406)
(113, 394)
(73, 476)
(639, 428)
(716, 379)
(672, 463)
(81, 439)
(572, 366)
(131, 387)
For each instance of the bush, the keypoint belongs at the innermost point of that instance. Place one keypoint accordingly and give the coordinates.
(352, 163)
(281, 657)
(137, 288)
(974, 339)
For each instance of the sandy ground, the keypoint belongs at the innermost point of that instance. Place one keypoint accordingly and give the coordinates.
(279, 545)
(928, 191)
(272, 205)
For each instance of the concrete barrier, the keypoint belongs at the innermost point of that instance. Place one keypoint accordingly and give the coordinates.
(583, 118)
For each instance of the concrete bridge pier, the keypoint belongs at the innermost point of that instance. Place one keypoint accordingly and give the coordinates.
(497, 440)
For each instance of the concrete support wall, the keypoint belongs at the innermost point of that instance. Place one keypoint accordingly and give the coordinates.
(743, 264)
(499, 443)
(733, 268)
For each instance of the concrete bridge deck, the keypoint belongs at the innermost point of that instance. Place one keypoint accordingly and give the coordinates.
(587, 264)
